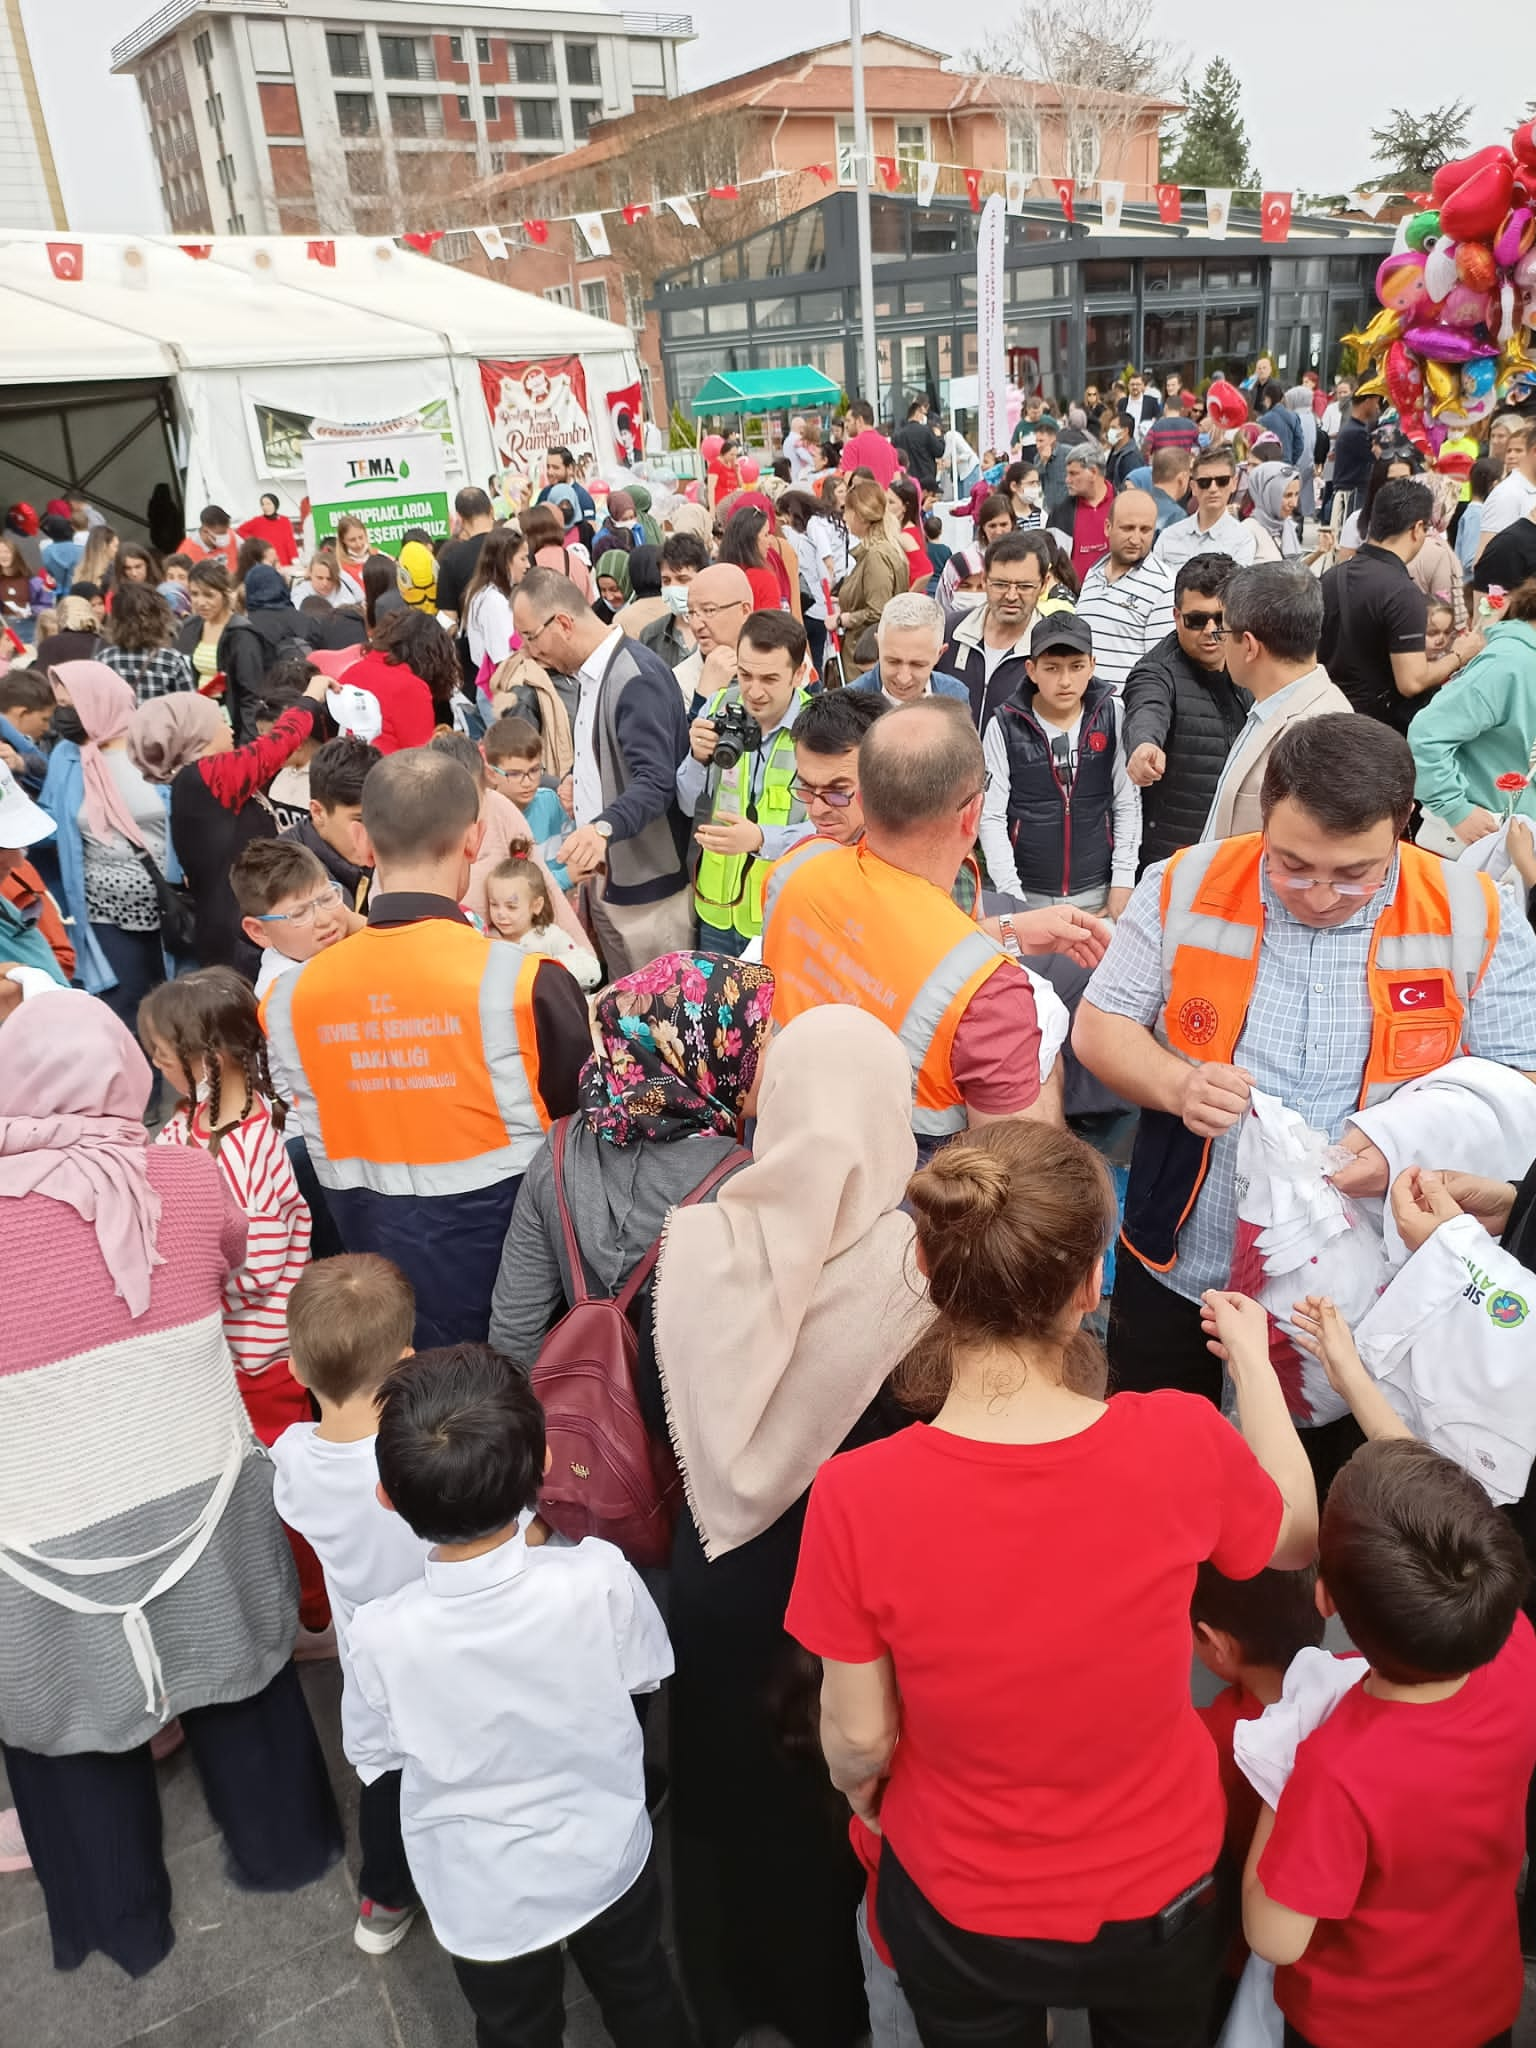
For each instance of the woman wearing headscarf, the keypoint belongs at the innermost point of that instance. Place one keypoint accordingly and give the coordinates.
(1276, 492)
(645, 604)
(218, 802)
(270, 525)
(959, 587)
(1298, 402)
(649, 530)
(144, 1575)
(781, 1308)
(109, 820)
(613, 585)
(621, 524)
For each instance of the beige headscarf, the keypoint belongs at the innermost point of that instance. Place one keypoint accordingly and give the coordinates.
(783, 1305)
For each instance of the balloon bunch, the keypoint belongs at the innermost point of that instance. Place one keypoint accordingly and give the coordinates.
(1458, 294)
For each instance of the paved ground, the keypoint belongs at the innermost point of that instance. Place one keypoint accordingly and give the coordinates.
(273, 1972)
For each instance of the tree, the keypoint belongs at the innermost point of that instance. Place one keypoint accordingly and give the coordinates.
(1412, 147)
(1213, 141)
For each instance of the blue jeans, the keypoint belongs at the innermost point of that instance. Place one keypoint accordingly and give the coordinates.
(730, 944)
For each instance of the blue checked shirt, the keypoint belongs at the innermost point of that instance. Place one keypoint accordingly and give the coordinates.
(1307, 1036)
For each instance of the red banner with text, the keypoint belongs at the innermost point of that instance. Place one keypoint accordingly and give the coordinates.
(535, 407)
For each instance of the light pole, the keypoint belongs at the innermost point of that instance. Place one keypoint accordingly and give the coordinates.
(861, 165)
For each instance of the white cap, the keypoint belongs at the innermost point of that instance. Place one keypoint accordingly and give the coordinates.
(356, 710)
(22, 823)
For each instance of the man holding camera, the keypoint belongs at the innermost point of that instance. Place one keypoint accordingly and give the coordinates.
(738, 780)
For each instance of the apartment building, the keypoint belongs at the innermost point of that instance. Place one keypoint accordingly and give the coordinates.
(331, 116)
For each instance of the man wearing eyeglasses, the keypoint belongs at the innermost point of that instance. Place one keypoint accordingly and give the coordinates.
(1319, 960)
(630, 732)
(1182, 712)
(987, 647)
(1211, 529)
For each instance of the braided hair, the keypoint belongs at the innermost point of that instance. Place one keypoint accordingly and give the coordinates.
(206, 1017)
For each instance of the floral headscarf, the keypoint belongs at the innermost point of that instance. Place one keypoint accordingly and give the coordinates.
(680, 1040)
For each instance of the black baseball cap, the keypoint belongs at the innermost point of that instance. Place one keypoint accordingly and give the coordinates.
(1061, 633)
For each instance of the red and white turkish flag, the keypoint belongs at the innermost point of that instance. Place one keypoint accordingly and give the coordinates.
(198, 251)
(1275, 215)
(1408, 996)
(537, 231)
(68, 260)
(1065, 188)
(632, 214)
(323, 253)
(887, 171)
(973, 188)
(1170, 205)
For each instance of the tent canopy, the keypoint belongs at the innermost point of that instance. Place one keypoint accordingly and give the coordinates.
(766, 390)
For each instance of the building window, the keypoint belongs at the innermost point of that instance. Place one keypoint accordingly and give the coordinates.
(538, 120)
(559, 295)
(1083, 164)
(455, 245)
(498, 162)
(1023, 145)
(847, 154)
(911, 149)
(531, 64)
(594, 297)
(581, 64)
(634, 301)
(464, 106)
(365, 173)
(482, 49)
(488, 101)
(400, 58)
(456, 49)
(583, 114)
(354, 113)
(202, 48)
(412, 116)
(213, 108)
(347, 54)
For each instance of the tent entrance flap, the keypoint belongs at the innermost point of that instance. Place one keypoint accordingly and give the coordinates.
(767, 390)
(111, 442)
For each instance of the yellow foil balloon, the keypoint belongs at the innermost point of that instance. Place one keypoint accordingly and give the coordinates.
(1514, 361)
(1372, 340)
(1444, 387)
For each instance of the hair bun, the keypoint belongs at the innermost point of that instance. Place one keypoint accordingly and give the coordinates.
(963, 1188)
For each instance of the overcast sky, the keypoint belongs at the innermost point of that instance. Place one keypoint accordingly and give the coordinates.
(1309, 108)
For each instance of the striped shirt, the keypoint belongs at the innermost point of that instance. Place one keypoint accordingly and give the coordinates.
(256, 1169)
(1307, 1035)
(1128, 616)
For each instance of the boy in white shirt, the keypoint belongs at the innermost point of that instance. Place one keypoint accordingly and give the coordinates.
(502, 1687)
(349, 1324)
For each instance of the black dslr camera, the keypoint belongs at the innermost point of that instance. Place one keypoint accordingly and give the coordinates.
(738, 733)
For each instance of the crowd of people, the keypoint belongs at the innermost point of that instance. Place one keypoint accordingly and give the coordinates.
(656, 1094)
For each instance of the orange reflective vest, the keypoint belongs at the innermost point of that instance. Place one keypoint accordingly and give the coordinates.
(843, 926)
(1429, 952)
(412, 1052)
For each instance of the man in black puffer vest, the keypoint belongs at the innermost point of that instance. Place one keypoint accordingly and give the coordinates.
(1060, 822)
(1182, 713)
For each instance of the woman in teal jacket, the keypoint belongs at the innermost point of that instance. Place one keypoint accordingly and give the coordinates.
(1480, 726)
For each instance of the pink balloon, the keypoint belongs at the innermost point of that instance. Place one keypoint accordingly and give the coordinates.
(1514, 238)
(710, 447)
(1465, 307)
(691, 493)
(1447, 344)
(749, 469)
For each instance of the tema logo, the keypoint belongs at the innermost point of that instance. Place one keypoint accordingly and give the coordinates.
(1507, 1309)
(369, 469)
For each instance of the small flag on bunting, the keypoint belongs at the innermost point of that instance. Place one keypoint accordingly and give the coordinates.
(927, 181)
(593, 233)
(1218, 209)
(823, 171)
(1017, 185)
(424, 241)
(1170, 205)
(198, 251)
(135, 268)
(537, 231)
(492, 241)
(725, 191)
(1368, 202)
(1111, 201)
(322, 253)
(887, 172)
(1275, 216)
(683, 209)
(1065, 188)
(634, 213)
(67, 260)
(973, 188)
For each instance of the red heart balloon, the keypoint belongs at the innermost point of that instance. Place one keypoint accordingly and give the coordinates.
(1450, 175)
(1477, 206)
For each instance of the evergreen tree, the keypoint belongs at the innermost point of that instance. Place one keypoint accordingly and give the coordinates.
(1412, 147)
(1212, 143)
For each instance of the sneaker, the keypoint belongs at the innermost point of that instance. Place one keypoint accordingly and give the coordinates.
(13, 1848)
(381, 1928)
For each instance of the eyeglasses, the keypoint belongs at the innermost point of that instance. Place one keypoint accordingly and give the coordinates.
(1204, 622)
(1301, 885)
(306, 913)
(1213, 483)
(811, 793)
(713, 611)
(531, 773)
(1009, 585)
(539, 631)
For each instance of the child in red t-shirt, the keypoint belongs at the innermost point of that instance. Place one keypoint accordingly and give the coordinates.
(1383, 1886)
(1246, 1632)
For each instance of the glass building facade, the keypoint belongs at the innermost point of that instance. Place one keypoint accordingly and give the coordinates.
(1079, 307)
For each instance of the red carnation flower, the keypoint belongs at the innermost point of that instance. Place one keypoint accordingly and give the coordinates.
(1508, 784)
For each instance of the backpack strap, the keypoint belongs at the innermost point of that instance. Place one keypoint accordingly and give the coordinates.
(580, 1291)
(739, 1156)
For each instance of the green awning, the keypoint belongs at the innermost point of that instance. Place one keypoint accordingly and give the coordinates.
(766, 390)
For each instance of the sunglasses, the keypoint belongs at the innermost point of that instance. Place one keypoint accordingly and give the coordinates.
(1211, 483)
(1205, 622)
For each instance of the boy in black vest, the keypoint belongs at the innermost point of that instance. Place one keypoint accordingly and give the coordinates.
(1062, 819)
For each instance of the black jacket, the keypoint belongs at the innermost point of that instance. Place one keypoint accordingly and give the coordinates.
(921, 449)
(1063, 833)
(1194, 716)
(346, 872)
(248, 649)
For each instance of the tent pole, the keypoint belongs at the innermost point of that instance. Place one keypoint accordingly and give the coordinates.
(862, 167)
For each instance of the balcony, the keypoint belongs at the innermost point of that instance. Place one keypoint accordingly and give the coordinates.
(671, 27)
(402, 57)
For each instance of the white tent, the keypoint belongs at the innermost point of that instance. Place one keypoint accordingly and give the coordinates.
(235, 349)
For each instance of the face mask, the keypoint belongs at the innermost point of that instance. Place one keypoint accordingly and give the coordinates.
(67, 725)
(1114, 436)
(675, 597)
(1031, 494)
(968, 600)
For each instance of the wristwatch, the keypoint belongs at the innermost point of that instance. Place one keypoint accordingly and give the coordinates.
(1010, 936)
(602, 828)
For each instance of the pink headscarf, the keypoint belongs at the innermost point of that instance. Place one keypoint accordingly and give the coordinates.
(105, 704)
(73, 1086)
(165, 733)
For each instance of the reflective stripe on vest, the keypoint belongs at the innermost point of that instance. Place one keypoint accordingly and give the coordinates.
(410, 1041)
(724, 896)
(854, 929)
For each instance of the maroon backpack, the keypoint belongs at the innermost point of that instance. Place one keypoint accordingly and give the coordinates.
(607, 1476)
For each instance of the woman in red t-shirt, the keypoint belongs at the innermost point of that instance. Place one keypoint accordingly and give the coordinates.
(906, 505)
(413, 671)
(1001, 1600)
(770, 565)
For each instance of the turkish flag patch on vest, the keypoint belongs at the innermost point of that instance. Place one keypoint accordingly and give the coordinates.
(1426, 994)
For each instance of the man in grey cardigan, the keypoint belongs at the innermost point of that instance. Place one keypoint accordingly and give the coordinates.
(630, 731)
